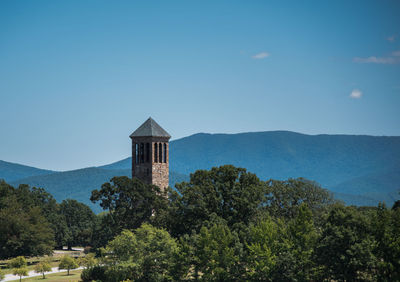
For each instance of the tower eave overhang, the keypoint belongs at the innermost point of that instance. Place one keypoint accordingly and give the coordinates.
(150, 128)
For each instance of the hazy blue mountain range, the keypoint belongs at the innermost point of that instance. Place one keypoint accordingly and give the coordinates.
(78, 184)
(12, 171)
(361, 170)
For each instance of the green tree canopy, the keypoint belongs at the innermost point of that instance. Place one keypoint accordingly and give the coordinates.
(79, 219)
(130, 202)
(345, 249)
(285, 197)
(386, 229)
(25, 225)
(19, 266)
(263, 247)
(217, 252)
(68, 263)
(18, 262)
(228, 192)
(43, 267)
(22, 271)
(88, 261)
(148, 253)
(24, 231)
(295, 260)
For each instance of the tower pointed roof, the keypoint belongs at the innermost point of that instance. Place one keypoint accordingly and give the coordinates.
(150, 128)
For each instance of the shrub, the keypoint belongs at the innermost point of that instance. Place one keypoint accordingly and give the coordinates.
(87, 250)
(93, 274)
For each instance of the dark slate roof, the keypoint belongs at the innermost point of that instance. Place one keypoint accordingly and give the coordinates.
(150, 128)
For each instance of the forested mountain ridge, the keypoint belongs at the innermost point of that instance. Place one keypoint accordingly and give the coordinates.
(360, 169)
(12, 171)
(78, 184)
(328, 159)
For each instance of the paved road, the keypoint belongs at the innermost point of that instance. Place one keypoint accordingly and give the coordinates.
(32, 273)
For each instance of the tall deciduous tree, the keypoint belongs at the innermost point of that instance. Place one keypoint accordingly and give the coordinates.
(130, 202)
(263, 247)
(79, 220)
(148, 253)
(386, 229)
(217, 252)
(229, 192)
(285, 197)
(345, 248)
(24, 232)
(296, 257)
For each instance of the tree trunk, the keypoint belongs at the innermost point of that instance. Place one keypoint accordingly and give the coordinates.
(43, 276)
(68, 271)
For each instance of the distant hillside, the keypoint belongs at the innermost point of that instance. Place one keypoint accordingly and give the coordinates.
(368, 166)
(11, 171)
(361, 170)
(328, 159)
(355, 200)
(383, 185)
(78, 184)
(122, 164)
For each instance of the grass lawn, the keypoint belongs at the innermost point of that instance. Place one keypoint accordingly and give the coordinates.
(55, 260)
(74, 275)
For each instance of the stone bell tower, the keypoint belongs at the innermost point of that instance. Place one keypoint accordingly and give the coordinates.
(150, 154)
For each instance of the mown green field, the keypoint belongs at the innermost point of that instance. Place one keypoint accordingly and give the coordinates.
(32, 261)
(74, 275)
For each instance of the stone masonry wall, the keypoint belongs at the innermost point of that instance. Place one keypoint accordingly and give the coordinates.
(151, 172)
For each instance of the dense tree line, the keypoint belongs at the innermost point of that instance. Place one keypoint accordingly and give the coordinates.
(224, 224)
(32, 223)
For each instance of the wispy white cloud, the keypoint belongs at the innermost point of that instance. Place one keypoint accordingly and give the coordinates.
(391, 38)
(393, 58)
(261, 55)
(356, 94)
(377, 60)
(396, 53)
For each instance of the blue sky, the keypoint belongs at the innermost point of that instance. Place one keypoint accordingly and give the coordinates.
(77, 77)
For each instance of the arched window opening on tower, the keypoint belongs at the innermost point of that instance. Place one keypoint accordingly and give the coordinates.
(160, 153)
(142, 152)
(137, 152)
(165, 152)
(147, 152)
(155, 152)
